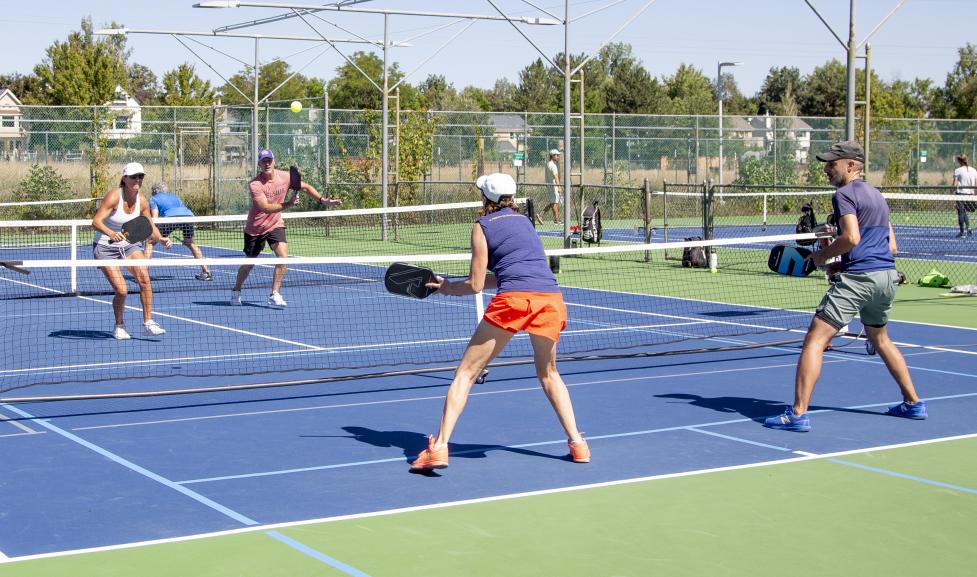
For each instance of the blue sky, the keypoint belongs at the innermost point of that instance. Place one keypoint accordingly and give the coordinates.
(920, 40)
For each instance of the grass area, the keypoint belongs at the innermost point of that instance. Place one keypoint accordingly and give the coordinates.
(817, 517)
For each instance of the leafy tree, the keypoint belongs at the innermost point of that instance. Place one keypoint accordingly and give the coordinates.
(734, 102)
(349, 89)
(630, 89)
(436, 91)
(958, 97)
(824, 91)
(182, 87)
(690, 92)
(778, 83)
(502, 97)
(471, 98)
(143, 84)
(538, 89)
(83, 70)
(27, 87)
(270, 76)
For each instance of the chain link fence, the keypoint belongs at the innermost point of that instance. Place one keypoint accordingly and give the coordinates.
(204, 153)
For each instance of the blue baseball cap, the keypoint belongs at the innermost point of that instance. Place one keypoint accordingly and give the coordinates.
(265, 153)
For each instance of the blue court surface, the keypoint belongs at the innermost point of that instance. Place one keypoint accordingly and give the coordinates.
(83, 474)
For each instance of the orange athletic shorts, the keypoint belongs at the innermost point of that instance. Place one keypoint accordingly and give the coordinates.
(543, 314)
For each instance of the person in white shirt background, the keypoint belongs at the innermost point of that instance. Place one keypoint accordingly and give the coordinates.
(965, 178)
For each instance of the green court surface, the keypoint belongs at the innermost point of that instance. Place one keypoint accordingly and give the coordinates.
(805, 517)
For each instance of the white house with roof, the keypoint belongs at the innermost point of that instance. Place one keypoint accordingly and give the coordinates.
(126, 116)
(11, 130)
(509, 132)
(760, 133)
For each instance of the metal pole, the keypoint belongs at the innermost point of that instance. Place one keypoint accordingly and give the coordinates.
(719, 96)
(566, 124)
(325, 143)
(868, 104)
(850, 100)
(384, 128)
(254, 110)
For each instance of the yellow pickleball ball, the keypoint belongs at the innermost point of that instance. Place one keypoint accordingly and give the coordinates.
(296, 106)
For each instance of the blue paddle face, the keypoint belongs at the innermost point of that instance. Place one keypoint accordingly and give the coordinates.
(790, 261)
(408, 280)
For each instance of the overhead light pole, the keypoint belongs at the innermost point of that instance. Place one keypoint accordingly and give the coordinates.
(719, 97)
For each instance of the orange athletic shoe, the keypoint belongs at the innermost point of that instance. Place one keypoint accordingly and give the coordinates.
(431, 458)
(579, 452)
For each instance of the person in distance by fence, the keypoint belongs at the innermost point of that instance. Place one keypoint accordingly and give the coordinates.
(528, 298)
(863, 284)
(556, 188)
(164, 203)
(965, 178)
(120, 205)
(265, 223)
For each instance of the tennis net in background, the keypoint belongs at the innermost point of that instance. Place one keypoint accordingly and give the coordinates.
(925, 224)
(341, 323)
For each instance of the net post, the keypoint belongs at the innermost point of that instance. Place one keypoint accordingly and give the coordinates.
(708, 190)
(646, 214)
(74, 257)
(665, 214)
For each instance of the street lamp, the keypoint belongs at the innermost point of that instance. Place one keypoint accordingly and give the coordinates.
(719, 97)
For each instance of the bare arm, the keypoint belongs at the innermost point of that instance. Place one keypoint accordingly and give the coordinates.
(311, 191)
(893, 247)
(848, 239)
(156, 236)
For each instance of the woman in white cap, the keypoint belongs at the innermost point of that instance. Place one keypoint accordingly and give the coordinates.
(527, 298)
(120, 205)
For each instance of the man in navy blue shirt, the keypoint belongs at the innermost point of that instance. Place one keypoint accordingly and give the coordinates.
(863, 284)
(164, 203)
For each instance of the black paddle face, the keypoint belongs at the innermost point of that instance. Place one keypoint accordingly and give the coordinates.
(790, 261)
(408, 280)
(294, 178)
(14, 266)
(137, 229)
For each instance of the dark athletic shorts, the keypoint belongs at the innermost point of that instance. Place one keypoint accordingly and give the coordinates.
(254, 244)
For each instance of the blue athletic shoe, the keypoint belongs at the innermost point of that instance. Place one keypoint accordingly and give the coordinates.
(788, 421)
(909, 411)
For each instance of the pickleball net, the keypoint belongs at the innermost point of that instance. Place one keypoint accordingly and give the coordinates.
(623, 299)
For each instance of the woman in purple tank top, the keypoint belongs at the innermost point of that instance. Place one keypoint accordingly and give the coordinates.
(528, 298)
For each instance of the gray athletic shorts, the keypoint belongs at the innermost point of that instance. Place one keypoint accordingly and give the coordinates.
(865, 294)
(114, 251)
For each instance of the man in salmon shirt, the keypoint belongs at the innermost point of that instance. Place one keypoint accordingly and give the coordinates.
(265, 222)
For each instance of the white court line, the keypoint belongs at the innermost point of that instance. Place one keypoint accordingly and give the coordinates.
(506, 497)
(17, 424)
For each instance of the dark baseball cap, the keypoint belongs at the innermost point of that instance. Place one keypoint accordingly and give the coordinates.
(265, 153)
(848, 149)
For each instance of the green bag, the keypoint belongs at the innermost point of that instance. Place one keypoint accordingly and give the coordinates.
(934, 278)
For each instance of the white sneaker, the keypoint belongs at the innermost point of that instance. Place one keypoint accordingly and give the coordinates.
(120, 333)
(152, 329)
(277, 300)
(236, 298)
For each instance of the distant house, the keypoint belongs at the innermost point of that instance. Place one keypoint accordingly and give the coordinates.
(126, 116)
(509, 132)
(758, 132)
(11, 129)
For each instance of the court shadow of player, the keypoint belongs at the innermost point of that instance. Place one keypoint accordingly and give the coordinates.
(89, 335)
(227, 303)
(755, 409)
(413, 443)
